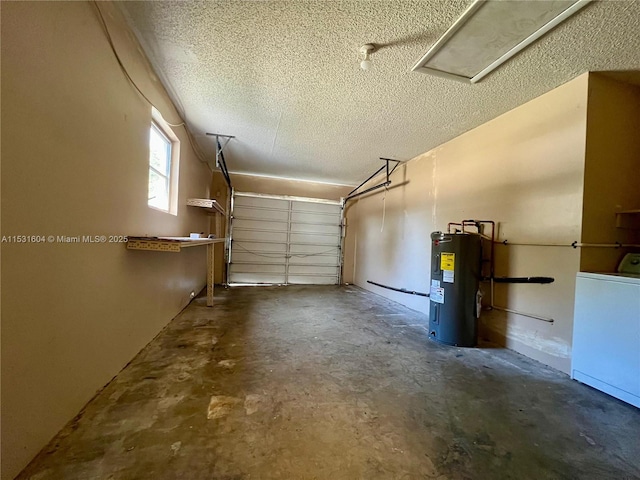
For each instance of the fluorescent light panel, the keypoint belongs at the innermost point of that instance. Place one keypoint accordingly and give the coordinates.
(490, 32)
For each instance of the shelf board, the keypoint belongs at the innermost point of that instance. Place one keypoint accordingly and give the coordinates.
(168, 244)
(628, 219)
(208, 204)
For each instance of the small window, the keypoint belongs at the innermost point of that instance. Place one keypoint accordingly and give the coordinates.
(163, 172)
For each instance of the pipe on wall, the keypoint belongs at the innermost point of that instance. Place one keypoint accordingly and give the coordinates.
(575, 244)
(516, 312)
(401, 290)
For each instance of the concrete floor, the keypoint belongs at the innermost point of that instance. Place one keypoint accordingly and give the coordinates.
(336, 383)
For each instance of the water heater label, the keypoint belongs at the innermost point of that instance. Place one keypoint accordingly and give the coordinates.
(447, 261)
(448, 276)
(436, 294)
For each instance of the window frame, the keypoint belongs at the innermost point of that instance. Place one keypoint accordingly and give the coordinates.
(171, 176)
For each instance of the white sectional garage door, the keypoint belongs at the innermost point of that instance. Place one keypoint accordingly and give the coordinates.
(284, 240)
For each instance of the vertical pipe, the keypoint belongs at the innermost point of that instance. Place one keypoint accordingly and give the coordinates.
(492, 295)
(493, 232)
(449, 226)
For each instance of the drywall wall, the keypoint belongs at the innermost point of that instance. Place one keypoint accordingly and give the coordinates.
(523, 170)
(611, 170)
(282, 186)
(75, 162)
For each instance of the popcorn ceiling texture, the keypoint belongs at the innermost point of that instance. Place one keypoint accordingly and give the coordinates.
(284, 77)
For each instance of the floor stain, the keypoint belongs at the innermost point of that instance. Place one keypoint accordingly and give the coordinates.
(227, 363)
(220, 406)
(253, 403)
(175, 447)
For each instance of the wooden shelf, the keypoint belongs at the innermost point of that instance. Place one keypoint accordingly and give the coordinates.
(176, 244)
(208, 204)
(168, 244)
(628, 219)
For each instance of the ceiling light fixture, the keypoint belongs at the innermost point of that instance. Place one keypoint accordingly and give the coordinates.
(489, 33)
(366, 50)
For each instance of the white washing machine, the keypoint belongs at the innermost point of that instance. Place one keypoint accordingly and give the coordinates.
(606, 331)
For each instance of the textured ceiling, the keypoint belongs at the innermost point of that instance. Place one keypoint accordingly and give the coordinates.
(284, 76)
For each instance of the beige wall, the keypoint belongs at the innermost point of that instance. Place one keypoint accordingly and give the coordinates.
(611, 172)
(296, 188)
(524, 170)
(75, 162)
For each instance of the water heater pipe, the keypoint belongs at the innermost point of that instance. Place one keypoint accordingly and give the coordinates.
(477, 223)
(492, 279)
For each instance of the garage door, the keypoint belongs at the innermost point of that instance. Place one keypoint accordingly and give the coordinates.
(284, 240)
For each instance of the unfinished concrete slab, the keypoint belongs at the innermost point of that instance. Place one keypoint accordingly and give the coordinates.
(336, 383)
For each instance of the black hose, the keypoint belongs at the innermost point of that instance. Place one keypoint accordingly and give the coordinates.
(524, 279)
(401, 290)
